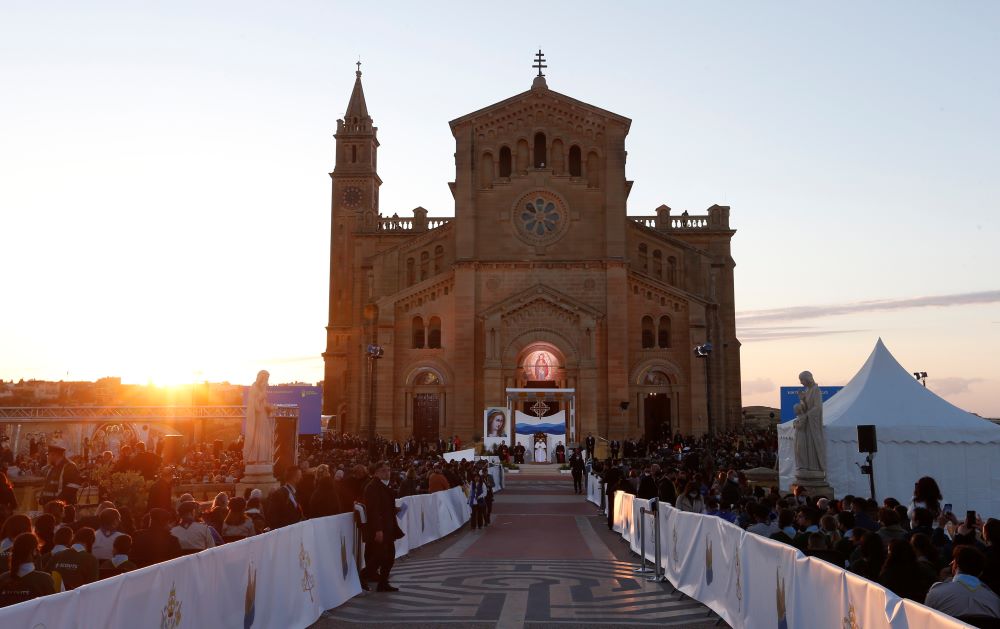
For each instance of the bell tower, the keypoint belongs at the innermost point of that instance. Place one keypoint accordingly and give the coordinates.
(354, 210)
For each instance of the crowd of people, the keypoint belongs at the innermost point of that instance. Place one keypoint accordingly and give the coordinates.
(920, 550)
(68, 545)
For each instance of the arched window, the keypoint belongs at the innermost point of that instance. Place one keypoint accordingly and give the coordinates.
(575, 162)
(354, 153)
(505, 161)
(434, 333)
(648, 342)
(522, 156)
(541, 159)
(672, 270)
(438, 258)
(486, 171)
(658, 264)
(663, 333)
(643, 258)
(411, 272)
(593, 170)
(418, 333)
(425, 265)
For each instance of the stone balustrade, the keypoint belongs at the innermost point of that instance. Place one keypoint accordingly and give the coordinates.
(716, 219)
(396, 224)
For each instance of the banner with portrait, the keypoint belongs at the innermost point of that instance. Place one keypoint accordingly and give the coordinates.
(496, 427)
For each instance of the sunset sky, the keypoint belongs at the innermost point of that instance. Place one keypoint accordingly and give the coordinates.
(164, 197)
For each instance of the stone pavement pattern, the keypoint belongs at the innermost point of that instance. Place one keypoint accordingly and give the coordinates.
(546, 559)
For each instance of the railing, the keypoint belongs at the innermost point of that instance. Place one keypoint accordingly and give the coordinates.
(395, 224)
(679, 223)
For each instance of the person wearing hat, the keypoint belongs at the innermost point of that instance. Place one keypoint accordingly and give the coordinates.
(62, 481)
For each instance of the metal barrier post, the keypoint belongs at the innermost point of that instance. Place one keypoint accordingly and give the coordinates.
(659, 572)
(642, 569)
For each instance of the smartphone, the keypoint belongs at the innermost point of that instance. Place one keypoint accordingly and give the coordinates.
(947, 507)
(970, 519)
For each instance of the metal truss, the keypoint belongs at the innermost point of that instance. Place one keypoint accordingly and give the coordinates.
(100, 414)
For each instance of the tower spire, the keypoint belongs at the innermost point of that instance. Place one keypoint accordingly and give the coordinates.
(356, 107)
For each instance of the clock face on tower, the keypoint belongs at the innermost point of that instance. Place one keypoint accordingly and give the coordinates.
(352, 196)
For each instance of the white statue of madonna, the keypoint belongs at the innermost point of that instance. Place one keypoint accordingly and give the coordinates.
(541, 452)
(258, 444)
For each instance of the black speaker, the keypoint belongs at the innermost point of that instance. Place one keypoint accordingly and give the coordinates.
(867, 442)
(286, 444)
(172, 449)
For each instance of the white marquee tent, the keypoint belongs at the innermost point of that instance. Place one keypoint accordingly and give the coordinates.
(919, 434)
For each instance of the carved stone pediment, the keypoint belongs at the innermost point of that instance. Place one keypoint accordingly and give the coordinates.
(544, 299)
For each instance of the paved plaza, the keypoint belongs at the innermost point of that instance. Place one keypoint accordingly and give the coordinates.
(546, 559)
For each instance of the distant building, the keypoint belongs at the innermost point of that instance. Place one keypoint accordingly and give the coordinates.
(760, 417)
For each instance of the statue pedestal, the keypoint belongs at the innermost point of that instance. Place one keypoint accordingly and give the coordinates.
(814, 483)
(259, 476)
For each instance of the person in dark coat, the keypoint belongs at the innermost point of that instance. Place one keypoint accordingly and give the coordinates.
(647, 486)
(576, 467)
(161, 492)
(146, 463)
(666, 491)
(155, 544)
(381, 530)
(283, 507)
(324, 500)
(591, 444)
(903, 574)
(611, 478)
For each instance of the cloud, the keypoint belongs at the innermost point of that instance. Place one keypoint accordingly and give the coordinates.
(758, 385)
(795, 313)
(951, 386)
(776, 333)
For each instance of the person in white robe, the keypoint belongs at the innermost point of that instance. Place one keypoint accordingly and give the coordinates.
(541, 454)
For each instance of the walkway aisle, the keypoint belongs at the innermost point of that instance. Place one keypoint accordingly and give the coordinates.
(546, 559)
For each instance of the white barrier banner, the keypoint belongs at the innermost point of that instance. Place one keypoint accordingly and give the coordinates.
(429, 517)
(286, 577)
(468, 455)
(594, 490)
(497, 473)
(750, 581)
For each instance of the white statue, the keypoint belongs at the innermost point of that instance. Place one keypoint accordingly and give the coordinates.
(540, 452)
(258, 445)
(810, 443)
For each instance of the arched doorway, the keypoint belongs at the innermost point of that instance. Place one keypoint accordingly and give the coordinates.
(657, 425)
(426, 392)
(657, 405)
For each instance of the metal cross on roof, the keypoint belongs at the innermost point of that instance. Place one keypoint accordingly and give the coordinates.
(539, 408)
(358, 64)
(539, 62)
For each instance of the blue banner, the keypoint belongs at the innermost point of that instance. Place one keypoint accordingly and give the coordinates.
(308, 398)
(789, 398)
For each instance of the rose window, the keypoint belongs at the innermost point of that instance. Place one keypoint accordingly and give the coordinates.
(540, 217)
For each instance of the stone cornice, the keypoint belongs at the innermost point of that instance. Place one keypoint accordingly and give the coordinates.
(663, 289)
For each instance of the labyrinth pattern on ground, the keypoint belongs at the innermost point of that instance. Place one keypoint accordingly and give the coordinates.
(577, 592)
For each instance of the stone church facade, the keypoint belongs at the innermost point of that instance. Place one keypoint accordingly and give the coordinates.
(541, 280)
